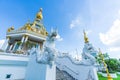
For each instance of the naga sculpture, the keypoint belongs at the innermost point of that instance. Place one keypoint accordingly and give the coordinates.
(48, 54)
(89, 52)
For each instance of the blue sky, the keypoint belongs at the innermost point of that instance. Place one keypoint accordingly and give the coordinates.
(101, 20)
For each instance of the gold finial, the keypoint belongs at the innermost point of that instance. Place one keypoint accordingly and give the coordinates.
(105, 65)
(85, 37)
(39, 15)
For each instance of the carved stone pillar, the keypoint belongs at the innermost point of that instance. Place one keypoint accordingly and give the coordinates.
(10, 47)
(41, 45)
(5, 45)
(14, 46)
(26, 38)
(22, 40)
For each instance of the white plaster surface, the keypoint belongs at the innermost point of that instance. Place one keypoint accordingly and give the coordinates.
(14, 65)
(78, 71)
(37, 71)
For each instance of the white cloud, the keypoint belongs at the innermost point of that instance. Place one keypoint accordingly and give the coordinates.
(74, 23)
(114, 52)
(1, 43)
(112, 36)
(59, 38)
(114, 49)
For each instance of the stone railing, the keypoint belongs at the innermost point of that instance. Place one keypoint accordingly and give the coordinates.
(73, 73)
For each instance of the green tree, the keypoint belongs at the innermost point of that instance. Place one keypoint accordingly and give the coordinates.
(113, 64)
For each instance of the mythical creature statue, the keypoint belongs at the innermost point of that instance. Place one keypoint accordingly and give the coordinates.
(48, 54)
(89, 52)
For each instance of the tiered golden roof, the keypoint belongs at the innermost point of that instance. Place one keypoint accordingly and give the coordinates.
(36, 26)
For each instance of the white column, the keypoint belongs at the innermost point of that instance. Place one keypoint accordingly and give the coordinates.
(22, 40)
(41, 45)
(14, 46)
(10, 47)
(26, 38)
(5, 45)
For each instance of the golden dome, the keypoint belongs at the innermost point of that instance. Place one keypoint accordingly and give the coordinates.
(39, 14)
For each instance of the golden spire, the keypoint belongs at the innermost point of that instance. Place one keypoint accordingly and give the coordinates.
(85, 37)
(39, 15)
(105, 65)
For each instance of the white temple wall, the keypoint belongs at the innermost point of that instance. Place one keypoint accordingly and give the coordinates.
(12, 66)
(16, 72)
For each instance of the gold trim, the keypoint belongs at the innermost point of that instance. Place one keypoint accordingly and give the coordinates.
(10, 29)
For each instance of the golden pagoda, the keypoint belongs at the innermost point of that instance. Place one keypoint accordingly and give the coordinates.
(33, 33)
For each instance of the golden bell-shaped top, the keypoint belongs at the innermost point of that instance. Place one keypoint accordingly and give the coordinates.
(85, 37)
(39, 15)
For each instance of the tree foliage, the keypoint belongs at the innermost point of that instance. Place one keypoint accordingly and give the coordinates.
(113, 64)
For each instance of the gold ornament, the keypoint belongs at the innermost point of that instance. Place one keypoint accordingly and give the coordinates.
(39, 15)
(85, 37)
(10, 29)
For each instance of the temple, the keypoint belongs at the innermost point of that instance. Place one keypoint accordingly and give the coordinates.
(29, 53)
(23, 39)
